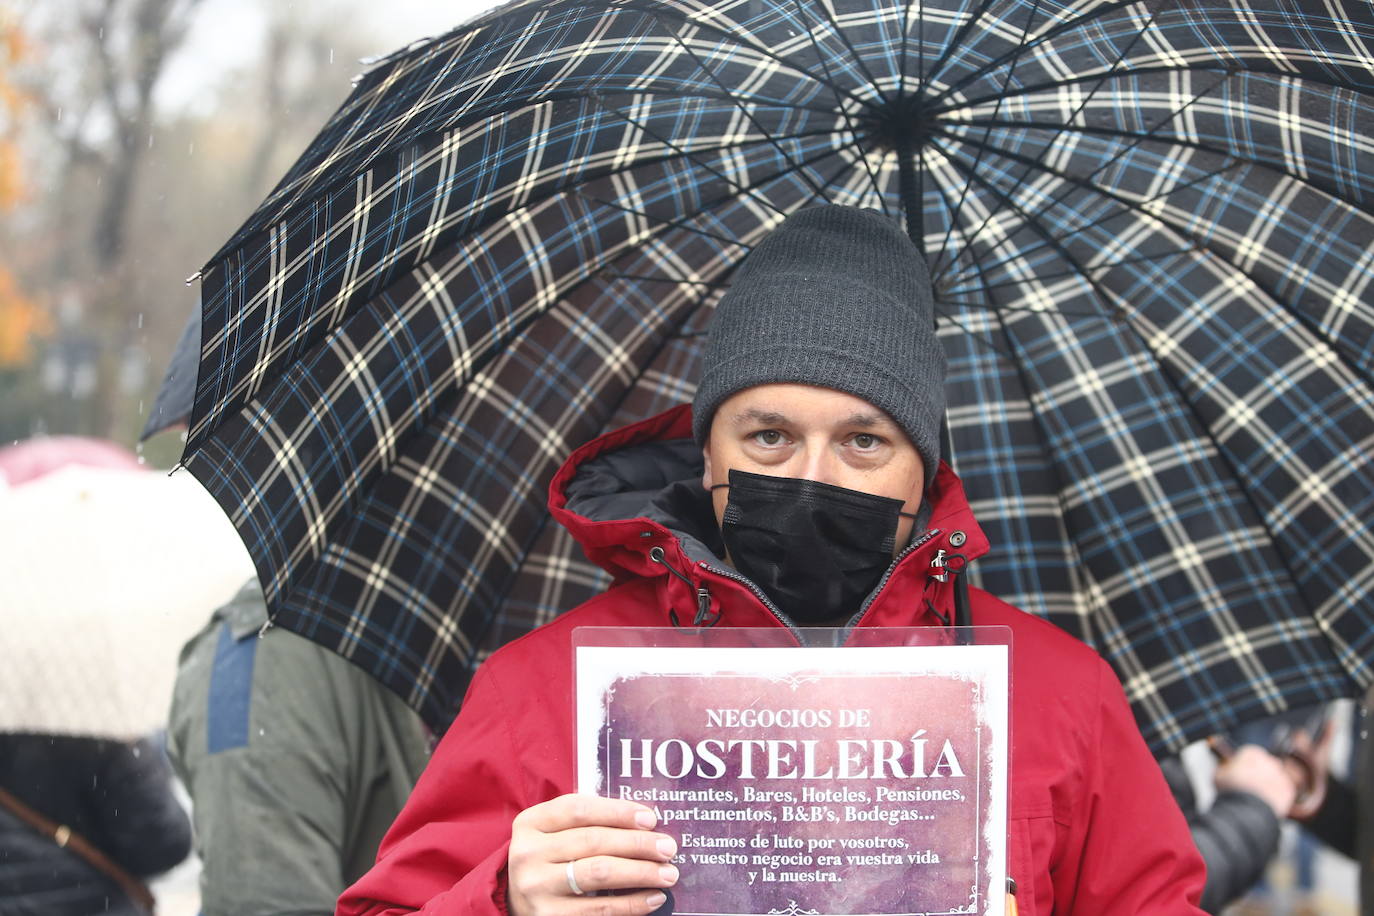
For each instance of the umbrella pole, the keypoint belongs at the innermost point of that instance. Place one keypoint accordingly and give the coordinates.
(912, 193)
(909, 185)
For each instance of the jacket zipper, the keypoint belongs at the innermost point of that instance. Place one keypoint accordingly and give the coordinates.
(777, 614)
(748, 583)
(882, 583)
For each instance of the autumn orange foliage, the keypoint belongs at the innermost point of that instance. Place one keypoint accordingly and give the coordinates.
(21, 319)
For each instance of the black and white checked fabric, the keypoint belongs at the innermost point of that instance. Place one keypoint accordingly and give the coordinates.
(1150, 229)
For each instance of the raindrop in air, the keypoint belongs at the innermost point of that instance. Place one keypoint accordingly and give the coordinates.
(331, 55)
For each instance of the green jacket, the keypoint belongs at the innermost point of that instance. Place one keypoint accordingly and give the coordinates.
(296, 762)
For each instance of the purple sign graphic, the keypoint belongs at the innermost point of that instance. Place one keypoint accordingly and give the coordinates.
(816, 790)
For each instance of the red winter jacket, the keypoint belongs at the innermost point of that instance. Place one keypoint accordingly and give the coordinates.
(1093, 829)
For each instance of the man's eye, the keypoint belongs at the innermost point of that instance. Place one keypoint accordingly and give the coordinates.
(865, 441)
(768, 437)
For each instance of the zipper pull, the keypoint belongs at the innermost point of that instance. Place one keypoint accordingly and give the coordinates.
(938, 562)
(656, 554)
(704, 609)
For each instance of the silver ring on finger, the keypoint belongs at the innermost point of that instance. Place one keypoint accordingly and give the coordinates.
(572, 879)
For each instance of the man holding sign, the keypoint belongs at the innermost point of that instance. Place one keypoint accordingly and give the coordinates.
(804, 488)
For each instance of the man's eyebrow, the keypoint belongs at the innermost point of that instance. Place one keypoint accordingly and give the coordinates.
(868, 420)
(861, 419)
(759, 415)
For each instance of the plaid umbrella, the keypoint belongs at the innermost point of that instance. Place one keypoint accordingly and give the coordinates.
(1149, 227)
(176, 395)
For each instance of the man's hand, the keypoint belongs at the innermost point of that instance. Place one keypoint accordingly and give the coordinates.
(1253, 769)
(611, 847)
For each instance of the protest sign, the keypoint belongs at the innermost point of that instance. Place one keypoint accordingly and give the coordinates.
(809, 780)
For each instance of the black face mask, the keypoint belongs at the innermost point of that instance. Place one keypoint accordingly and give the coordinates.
(817, 550)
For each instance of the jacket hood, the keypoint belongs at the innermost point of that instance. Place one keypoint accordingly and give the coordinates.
(633, 499)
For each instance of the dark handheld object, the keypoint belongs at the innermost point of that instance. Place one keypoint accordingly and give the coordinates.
(1312, 780)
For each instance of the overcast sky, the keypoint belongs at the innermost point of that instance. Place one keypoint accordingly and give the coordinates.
(227, 33)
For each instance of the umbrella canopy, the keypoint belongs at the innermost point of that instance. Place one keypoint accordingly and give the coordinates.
(104, 574)
(172, 406)
(1148, 225)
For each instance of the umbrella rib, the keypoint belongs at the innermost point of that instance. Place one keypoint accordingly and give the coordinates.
(844, 39)
(1018, 366)
(1198, 244)
(902, 46)
(416, 427)
(839, 104)
(1053, 32)
(1228, 70)
(1014, 309)
(532, 540)
(656, 13)
(977, 264)
(1055, 85)
(645, 278)
(672, 281)
(1126, 205)
(941, 268)
(1047, 239)
(1122, 320)
(1051, 466)
(739, 103)
(666, 223)
(694, 156)
(830, 182)
(963, 193)
(332, 183)
(1135, 138)
(675, 93)
(956, 42)
(969, 332)
(1056, 275)
(936, 272)
(1067, 121)
(798, 135)
(677, 224)
(668, 338)
(1185, 144)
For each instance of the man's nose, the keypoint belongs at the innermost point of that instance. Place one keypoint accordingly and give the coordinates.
(819, 463)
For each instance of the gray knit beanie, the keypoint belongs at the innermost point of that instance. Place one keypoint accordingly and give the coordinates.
(836, 297)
